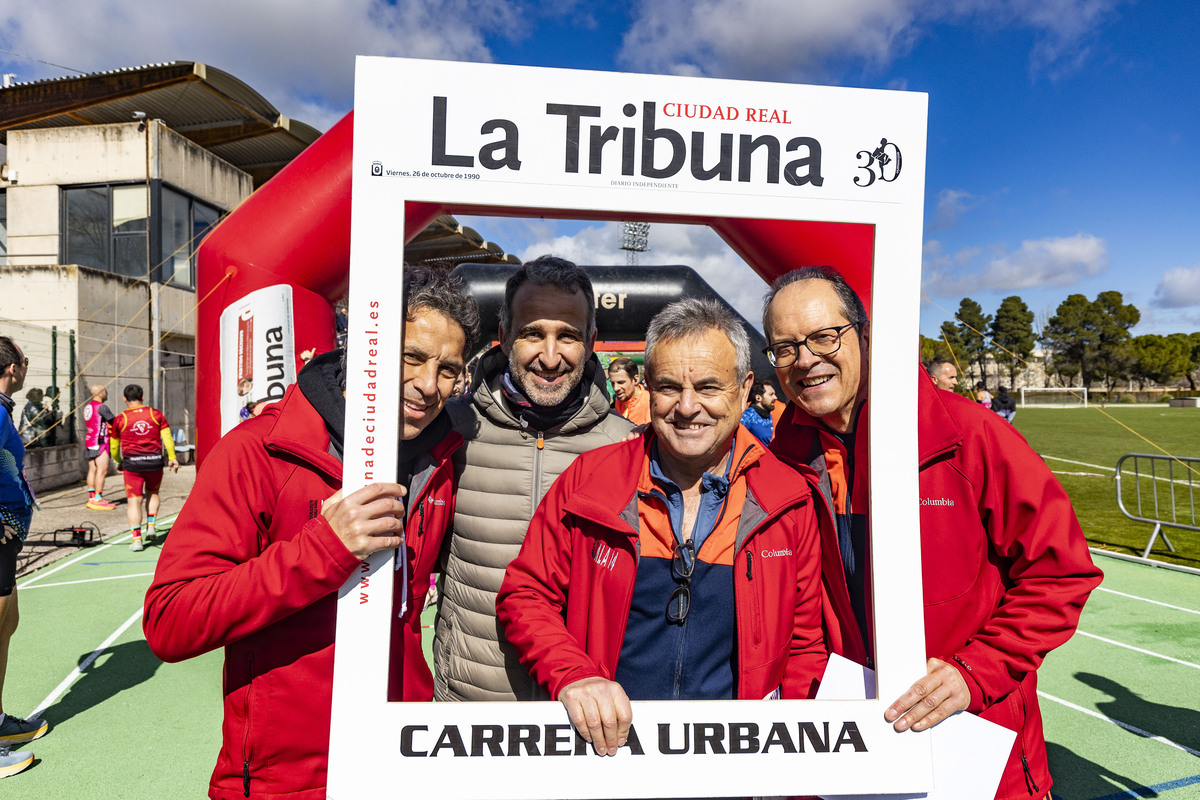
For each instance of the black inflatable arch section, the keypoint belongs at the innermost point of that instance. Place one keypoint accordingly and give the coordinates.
(627, 298)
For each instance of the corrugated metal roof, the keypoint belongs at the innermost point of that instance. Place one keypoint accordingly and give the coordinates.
(205, 104)
(219, 113)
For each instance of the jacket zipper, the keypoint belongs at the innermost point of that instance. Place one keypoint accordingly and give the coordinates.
(537, 471)
(755, 606)
(1029, 781)
(246, 730)
(1028, 776)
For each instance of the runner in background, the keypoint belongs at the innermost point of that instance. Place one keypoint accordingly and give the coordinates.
(96, 419)
(758, 417)
(141, 445)
(632, 399)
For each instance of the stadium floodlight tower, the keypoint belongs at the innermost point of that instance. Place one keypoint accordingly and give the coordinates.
(635, 238)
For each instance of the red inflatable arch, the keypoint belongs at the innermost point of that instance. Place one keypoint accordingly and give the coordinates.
(269, 274)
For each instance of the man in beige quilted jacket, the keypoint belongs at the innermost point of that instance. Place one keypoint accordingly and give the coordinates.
(536, 401)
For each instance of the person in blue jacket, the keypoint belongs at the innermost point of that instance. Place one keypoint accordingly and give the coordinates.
(16, 511)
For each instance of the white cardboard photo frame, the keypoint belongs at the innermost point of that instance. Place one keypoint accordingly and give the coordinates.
(481, 136)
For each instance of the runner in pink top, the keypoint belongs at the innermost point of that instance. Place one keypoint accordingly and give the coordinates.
(96, 417)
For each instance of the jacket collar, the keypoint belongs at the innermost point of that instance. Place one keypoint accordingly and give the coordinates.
(937, 431)
(488, 396)
(297, 429)
(605, 502)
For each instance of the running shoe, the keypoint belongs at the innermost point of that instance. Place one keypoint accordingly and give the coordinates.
(137, 545)
(148, 536)
(100, 505)
(15, 730)
(12, 763)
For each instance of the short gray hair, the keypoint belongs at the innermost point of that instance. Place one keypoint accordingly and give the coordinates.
(690, 318)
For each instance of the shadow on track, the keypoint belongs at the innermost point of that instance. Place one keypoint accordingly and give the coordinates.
(1076, 778)
(1180, 725)
(121, 667)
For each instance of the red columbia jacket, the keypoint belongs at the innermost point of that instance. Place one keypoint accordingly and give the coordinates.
(565, 599)
(252, 566)
(1005, 567)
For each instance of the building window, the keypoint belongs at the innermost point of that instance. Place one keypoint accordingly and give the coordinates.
(105, 228)
(185, 223)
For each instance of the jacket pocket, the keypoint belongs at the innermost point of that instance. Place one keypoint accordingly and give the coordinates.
(443, 653)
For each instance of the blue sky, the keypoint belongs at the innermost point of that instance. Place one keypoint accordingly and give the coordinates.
(1061, 132)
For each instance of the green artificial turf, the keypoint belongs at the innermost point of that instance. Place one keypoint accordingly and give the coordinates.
(1100, 437)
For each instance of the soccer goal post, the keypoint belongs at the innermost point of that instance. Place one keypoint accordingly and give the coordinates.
(1054, 397)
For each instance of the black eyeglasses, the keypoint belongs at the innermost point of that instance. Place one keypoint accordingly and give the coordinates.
(824, 342)
(683, 564)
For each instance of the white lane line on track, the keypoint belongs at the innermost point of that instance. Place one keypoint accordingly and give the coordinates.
(1131, 728)
(1138, 649)
(1148, 600)
(87, 662)
(1109, 473)
(1080, 463)
(91, 551)
(93, 580)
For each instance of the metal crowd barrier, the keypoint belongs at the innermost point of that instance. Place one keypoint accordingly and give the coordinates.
(1164, 492)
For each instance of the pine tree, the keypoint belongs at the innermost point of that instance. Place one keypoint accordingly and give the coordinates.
(1012, 336)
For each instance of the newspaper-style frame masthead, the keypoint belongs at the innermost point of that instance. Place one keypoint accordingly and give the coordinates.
(521, 141)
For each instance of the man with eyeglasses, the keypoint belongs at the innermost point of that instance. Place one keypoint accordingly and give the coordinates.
(1005, 566)
(681, 564)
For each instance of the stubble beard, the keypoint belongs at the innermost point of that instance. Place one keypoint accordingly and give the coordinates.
(547, 398)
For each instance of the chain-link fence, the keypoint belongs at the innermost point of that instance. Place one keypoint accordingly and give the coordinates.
(45, 412)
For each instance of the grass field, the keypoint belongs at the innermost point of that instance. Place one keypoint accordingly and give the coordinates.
(1083, 445)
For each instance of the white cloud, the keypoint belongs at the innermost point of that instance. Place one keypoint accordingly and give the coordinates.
(298, 56)
(1179, 288)
(694, 246)
(801, 39)
(1038, 263)
(951, 205)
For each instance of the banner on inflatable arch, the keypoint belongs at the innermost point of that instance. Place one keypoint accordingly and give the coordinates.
(800, 161)
(258, 351)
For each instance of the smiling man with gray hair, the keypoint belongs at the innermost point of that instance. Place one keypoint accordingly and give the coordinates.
(680, 564)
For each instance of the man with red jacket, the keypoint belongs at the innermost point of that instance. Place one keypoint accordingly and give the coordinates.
(140, 444)
(266, 539)
(681, 564)
(1005, 567)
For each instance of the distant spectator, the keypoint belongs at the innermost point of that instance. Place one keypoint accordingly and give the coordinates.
(944, 374)
(16, 512)
(52, 416)
(982, 395)
(33, 419)
(1004, 405)
(757, 416)
(341, 324)
(96, 418)
(632, 399)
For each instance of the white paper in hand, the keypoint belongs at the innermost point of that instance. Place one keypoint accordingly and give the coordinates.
(969, 753)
